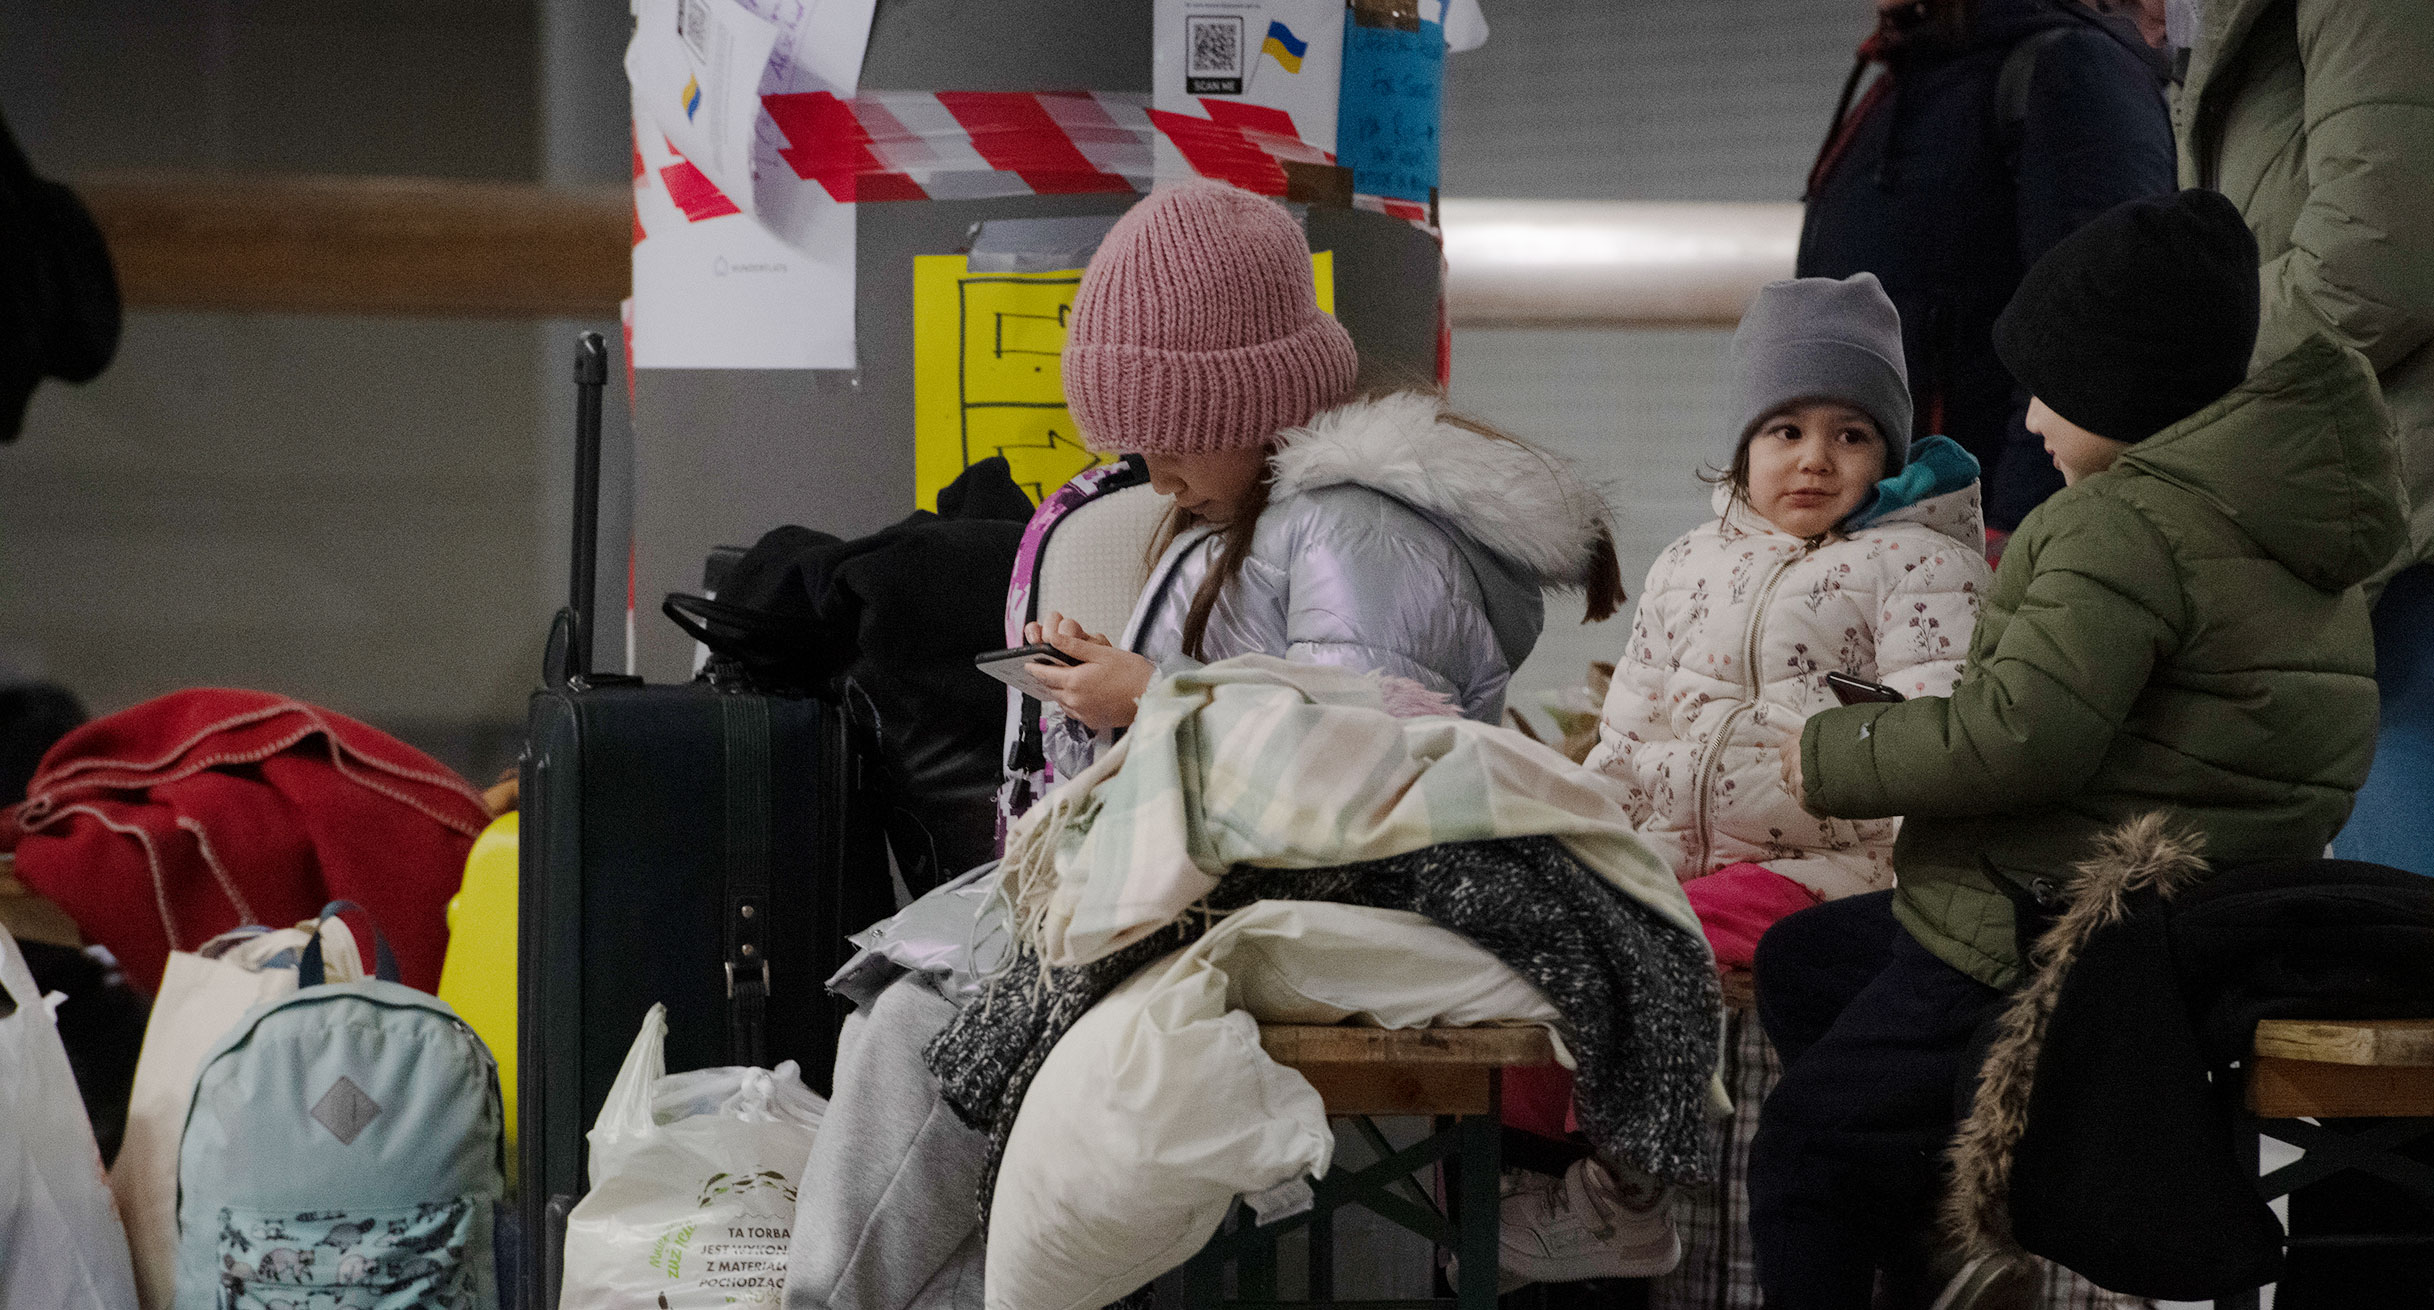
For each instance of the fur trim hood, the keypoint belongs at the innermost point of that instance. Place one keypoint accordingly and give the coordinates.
(1524, 505)
(2144, 853)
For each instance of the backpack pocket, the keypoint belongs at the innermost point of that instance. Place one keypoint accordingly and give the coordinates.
(411, 1258)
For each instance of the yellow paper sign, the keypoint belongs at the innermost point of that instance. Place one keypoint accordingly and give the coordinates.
(987, 378)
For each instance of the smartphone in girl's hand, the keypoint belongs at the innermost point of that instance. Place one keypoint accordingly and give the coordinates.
(1013, 667)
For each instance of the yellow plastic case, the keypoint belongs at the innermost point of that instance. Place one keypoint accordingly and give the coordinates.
(478, 977)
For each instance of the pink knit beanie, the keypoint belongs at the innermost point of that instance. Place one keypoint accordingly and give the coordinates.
(1196, 328)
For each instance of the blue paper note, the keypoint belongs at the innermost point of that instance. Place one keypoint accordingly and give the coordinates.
(1386, 122)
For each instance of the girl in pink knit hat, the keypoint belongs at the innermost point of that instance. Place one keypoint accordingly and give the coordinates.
(1310, 523)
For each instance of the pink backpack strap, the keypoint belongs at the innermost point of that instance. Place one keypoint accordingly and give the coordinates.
(1027, 774)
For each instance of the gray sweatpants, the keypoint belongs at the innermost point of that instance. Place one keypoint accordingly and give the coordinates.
(885, 1218)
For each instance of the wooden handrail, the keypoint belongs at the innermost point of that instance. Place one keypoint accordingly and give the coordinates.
(364, 245)
(402, 245)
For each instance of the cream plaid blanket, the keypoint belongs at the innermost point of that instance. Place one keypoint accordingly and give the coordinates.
(1258, 761)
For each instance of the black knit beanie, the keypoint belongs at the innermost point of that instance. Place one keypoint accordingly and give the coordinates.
(2139, 319)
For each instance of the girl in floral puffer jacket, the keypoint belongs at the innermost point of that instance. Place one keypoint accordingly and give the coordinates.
(1838, 546)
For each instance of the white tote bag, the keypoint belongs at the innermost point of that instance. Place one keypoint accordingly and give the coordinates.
(60, 1243)
(203, 995)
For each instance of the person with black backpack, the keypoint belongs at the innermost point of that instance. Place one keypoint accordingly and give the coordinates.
(1994, 129)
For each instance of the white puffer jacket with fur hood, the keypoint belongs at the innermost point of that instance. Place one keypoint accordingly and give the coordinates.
(1394, 541)
(1736, 630)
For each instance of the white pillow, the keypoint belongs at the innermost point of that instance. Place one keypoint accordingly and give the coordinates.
(1159, 1107)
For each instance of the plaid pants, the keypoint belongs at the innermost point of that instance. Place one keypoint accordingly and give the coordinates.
(1718, 1271)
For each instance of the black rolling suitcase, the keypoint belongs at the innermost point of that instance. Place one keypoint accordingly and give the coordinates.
(698, 847)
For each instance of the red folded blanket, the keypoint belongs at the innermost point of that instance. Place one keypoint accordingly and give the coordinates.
(163, 825)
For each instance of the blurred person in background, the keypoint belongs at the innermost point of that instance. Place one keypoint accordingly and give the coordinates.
(1995, 129)
(59, 318)
(59, 312)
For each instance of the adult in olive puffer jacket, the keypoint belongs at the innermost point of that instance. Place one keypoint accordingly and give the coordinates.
(2182, 633)
(2314, 117)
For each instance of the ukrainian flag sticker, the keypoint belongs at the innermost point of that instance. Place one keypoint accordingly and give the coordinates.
(1283, 47)
(692, 96)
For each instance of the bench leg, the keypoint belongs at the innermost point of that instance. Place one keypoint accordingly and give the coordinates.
(1481, 1198)
(1469, 1147)
(2247, 1141)
(1322, 1258)
(1255, 1267)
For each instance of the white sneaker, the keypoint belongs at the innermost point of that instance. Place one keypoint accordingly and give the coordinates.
(1584, 1225)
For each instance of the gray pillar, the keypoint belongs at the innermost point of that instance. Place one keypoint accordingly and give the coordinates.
(584, 143)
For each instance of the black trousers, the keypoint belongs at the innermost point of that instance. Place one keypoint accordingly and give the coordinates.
(1876, 1036)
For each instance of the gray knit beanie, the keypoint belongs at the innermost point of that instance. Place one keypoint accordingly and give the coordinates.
(1822, 338)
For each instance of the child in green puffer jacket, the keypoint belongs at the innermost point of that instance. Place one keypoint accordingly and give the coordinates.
(2181, 630)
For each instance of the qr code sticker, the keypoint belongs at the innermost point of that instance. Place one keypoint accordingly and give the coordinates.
(1216, 47)
(1214, 54)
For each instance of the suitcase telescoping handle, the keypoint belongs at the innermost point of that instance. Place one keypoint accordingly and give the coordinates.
(572, 643)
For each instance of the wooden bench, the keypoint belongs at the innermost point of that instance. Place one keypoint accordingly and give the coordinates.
(2340, 1069)
(1453, 1075)
(2359, 1069)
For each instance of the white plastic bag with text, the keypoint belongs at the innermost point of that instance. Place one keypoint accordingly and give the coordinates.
(60, 1240)
(693, 1184)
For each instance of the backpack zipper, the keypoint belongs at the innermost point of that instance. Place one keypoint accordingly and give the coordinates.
(1713, 757)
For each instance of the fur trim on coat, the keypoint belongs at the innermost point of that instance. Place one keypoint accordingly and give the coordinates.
(1522, 504)
(1396, 541)
(2143, 853)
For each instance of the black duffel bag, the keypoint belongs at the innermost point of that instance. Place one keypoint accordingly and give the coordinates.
(886, 626)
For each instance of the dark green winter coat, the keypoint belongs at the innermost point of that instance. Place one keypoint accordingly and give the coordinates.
(2183, 632)
(2316, 118)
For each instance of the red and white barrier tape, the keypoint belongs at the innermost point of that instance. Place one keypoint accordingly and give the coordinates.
(967, 145)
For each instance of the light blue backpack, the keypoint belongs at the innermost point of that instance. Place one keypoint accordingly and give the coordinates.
(343, 1152)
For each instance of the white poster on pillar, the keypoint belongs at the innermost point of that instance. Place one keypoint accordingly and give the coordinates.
(714, 289)
(738, 262)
